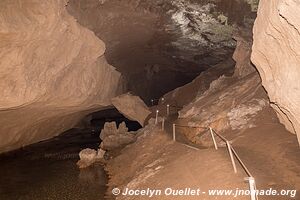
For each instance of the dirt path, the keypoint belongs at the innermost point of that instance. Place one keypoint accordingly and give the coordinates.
(154, 161)
(268, 150)
(273, 156)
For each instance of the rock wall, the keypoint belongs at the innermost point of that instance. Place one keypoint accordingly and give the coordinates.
(276, 51)
(242, 53)
(52, 71)
(229, 105)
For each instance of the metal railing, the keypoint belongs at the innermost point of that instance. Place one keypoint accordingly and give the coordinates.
(232, 152)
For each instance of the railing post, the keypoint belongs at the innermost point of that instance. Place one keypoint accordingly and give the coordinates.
(156, 116)
(252, 188)
(213, 138)
(174, 132)
(168, 110)
(231, 156)
(163, 124)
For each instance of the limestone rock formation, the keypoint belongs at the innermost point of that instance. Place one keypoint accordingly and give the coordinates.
(229, 104)
(90, 156)
(113, 137)
(52, 71)
(276, 51)
(242, 53)
(132, 107)
(193, 36)
(87, 158)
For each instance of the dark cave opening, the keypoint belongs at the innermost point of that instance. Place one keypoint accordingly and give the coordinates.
(96, 120)
(161, 45)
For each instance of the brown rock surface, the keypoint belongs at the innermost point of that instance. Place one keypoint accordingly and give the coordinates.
(113, 137)
(132, 107)
(169, 43)
(242, 53)
(52, 72)
(185, 94)
(230, 104)
(87, 157)
(275, 53)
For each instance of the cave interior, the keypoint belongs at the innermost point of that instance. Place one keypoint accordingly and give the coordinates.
(100, 95)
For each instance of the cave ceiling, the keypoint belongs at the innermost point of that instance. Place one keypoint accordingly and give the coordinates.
(159, 45)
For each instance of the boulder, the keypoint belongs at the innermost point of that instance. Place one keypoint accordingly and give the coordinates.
(228, 105)
(185, 94)
(87, 157)
(275, 53)
(132, 107)
(110, 128)
(113, 137)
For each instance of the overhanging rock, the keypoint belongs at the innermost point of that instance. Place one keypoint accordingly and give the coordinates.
(132, 107)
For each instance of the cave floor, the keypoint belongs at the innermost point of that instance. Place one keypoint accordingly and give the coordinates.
(156, 162)
(160, 163)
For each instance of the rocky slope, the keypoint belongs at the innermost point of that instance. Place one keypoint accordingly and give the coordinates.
(52, 72)
(276, 52)
(223, 98)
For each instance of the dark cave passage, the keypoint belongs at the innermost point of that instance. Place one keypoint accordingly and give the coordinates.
(96, 120)
(161, 45)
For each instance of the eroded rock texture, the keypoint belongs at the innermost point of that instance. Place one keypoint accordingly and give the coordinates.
(187, 93)
(242, 53)
(114, 137)
(52, 72)
(276, 51)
